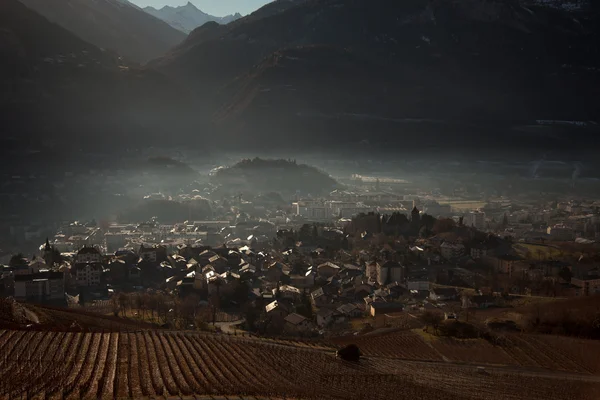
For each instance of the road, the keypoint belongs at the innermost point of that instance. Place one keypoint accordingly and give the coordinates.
(228, 327)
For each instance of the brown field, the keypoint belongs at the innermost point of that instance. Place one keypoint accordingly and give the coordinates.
(144, 364)
(524, 350)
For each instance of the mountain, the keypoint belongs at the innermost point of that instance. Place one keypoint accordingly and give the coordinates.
(332, 70)
(57, 87)
(115, 25)
(187, 18)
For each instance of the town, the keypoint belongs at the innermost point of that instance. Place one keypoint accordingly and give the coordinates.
(358, 257)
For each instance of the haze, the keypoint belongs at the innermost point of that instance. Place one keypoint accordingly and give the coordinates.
(213, 7)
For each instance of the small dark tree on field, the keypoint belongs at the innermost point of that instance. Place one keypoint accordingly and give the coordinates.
(431, 319)
(123, 301)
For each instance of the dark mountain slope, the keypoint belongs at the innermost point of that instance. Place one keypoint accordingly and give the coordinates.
(481, 64)
(57, 87)
(115, 25)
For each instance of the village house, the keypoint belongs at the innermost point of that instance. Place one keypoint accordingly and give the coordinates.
(296, 323)
(589, 285)
(442, 294)
(350, 310)
(88, 254)
(382, 307)
(389, 271)
(287, 292)
(328, 269)
(319, 298)
(325, 317)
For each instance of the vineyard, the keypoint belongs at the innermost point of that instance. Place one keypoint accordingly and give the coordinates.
(75, 365)
(537, 351)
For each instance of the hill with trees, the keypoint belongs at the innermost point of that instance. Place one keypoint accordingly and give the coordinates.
(264, 175)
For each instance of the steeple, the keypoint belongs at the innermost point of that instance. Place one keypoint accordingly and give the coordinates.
(47, 246)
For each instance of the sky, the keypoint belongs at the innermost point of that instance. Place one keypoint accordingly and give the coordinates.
(217, 8)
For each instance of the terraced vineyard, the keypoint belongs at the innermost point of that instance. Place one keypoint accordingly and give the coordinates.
(537, 351)
(75, 365)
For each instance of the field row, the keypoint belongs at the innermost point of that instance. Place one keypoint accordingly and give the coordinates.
(540, 351)
(75, 365)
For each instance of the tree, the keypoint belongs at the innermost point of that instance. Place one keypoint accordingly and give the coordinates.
(17, 260)
(431, 319)
(443, 225)
(123, 301)
(565, 274)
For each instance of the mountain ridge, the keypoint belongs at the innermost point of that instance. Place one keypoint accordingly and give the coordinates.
(188, 17)
(116, 25)
(475, 62)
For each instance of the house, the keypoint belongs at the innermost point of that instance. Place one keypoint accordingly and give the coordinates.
(371, 271)
(276, 309)
(303, 281)
(350, 310)
(296, 323)
(219, 263)
(328, 269)
(390, 271)
(152, 253)
(325, 317)
(381, 307)
(589, 284)
(275, 272)
(88, 274)
(319, 298)
(442, 294)
(288, 292)
(504, 263)
(478, 251)
(43, 286)
(481, 301)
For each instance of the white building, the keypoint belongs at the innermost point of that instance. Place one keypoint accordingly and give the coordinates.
(88, 254)
(475, 219)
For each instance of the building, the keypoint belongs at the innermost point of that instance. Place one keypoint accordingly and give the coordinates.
(475, 219)
(44, 286)
(381, 307)
(296, 323)
(589, 285)
(442, 294)
(88, 274)
(328, 269)
(88, 254)
(561, 232)
(478, 251)
(390, 271)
